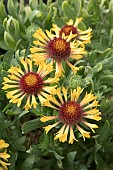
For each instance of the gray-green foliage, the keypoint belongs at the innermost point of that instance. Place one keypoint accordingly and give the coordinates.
(30, 148)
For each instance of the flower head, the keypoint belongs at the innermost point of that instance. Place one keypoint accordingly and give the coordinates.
(73, 113)
(82, 37)
(58, 48)
(3, 154)
(28, 83)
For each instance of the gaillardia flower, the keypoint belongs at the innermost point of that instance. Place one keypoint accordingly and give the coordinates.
(73, 113)
(82, 37)
(28, 82)
(59, 49)
(4, 155)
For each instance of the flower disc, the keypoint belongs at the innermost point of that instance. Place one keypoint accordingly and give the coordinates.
(67, 29)
(70, 112)
(59, 49)
(31, 83)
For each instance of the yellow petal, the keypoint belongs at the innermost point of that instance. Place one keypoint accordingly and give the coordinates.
(33, 102)
(27, 106)
(96, 117)
(76, 57)
(3, 144)
(30, 64)
(63, 138)
(48, 104)
(78, 51)
(42, 99)
(92, 111)
(14, 70)
(64, 90)
(40, 38)
(4, 164)
(11, 93)
(84, 133)
(24, 63)
(78, 92)
(72, 136)
(78, 20)
(13, 77)
(58, 92)
(49, 34)
(8, 86)
(93, 104)
(4, 155)
(37, 43)
(50, 89)
(39, 57)
(60, 132)
(59, 69)
(51, 80)
(35, 49)
(7, 80)
(49, 127)
(90, 125)
(75, 69)
(86, 31)
(19, 100)
(70, 22)
(53, 100)
(87, 98)
(47, 118)
(39, 31)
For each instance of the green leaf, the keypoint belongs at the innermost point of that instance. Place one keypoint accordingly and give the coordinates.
(34, 14)
(70, 159)
(97, 68)
(57, 156)
(77, 6)
(104, 133)
(101, 164)
(28, 163)
(2, 10)
(31, 125)
(18, 145)
(82, 167)
(68, 11)
(33, 4)
(107, 63)
(107, 80)
(11, 8)
(12, 161)
(10, 42)
(7, 60)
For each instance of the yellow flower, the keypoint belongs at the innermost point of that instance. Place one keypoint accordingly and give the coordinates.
(82, 37)
(28, 82)
(59, 49)
(3, 155)
(73, 112)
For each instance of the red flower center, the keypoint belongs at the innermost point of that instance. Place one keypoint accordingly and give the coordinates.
(70, 112)
(31, 83)
(59, 49)
(67, 29)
